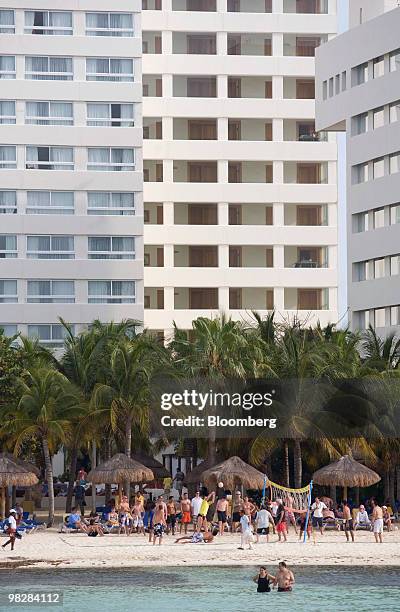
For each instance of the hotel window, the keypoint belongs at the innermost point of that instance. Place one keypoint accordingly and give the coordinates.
(49, 158)
(49, 113)
(394, 112)
(111, 247)
(378, 168)
(306, 45)
(8, 157)
(49, 23)
(379, 267)
(8, 292)
(50, 203)
(360, 74)
(7, 112)
(109, 69)
(50, 247)
(111, 292)
(395, 214)
(360, 173)
(379, 67)
(109, 24)
(394, 163)
(360, 124)
(7, 22)
(359, 271)
(379, 218)
(110, 115)
(380, 318)
(201, 87)
(7, 67)
(112, 160)
(8, 247)
(395, 315)
(9, 330)
(49, 334)
(395, 265)
(395, 60)
(51, 292)
(110, 203)
(344, 81)
(360, 222)
(201, 44)
(40, 68)
(379, 118)
(8, 202)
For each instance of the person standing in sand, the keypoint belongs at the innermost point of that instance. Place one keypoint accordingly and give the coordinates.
(284, 578)
(222, 511)
(11, 529)
(348, 521)
(186, 516)
(160, 524)
(237, 506)
(377, 520)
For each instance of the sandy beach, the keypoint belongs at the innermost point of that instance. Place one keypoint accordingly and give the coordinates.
(49, 548)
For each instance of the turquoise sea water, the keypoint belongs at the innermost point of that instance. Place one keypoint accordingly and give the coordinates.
(202, 589)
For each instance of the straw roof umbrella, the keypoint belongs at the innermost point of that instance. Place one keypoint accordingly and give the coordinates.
(233, 472)
(119, 469)
(158, 469)
(13, 474)
(22, 463)
(346, 472)
(195, 476)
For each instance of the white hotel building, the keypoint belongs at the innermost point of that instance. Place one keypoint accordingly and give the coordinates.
(71, 206)
(240, 195)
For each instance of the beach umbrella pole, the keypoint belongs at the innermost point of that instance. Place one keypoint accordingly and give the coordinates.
(308, 512)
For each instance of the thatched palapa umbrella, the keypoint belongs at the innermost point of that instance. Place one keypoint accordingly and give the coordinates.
(158, 469)
(233, 472)
(12, 474)
(346, 472)
(195, 476)
(119, 469)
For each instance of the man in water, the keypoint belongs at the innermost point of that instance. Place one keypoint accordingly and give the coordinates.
(348, 521)
(185, 509)
(264, 580)
(222, 509)
(284, 578)
(198, 538)
(377, 520)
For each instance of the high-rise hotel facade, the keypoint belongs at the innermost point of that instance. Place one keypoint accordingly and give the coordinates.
(71, 207)
(240, 199)
(240, 195)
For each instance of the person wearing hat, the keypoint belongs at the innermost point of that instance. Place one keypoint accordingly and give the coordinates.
(11, 528)
(387, 522)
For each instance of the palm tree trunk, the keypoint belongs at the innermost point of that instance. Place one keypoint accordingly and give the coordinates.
(107, 498)
(13, 496)
(386, 485)
(398, 481)
(128, 450)
(286, 466)
(71, 481)
(298, 464)
(49, 480)
(93, 463)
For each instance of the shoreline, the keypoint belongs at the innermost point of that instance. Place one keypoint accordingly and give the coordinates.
(42, 550)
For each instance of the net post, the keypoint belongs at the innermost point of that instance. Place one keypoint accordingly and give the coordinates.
(308, 512)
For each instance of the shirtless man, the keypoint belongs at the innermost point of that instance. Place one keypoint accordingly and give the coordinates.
(198, 538)
(237, 506)
(222, 511)
(377, 520)
(284, 578)
(125, 515)
(160, 500)
(137, 515)
(186, 516)
(160, 523)
(348, 521)
(171, 515)
(249, 508)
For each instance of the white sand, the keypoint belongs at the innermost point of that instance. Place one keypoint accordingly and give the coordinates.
(45, 548)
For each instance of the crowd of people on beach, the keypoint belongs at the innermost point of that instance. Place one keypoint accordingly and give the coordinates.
(210, 514)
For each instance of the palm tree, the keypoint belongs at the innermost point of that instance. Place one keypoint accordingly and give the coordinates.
(48, 404)
(381, 354)
(216, 350)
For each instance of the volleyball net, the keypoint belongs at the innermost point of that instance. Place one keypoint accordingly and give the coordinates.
(294, 500)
